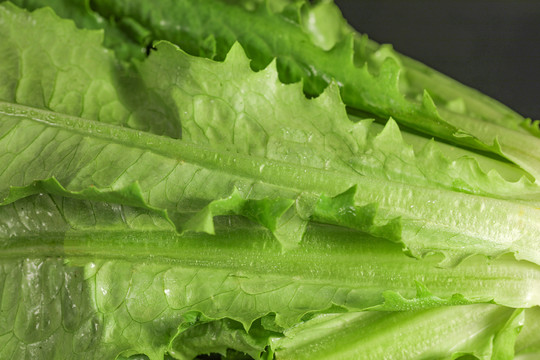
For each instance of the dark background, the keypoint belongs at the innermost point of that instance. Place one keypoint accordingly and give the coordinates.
(493, 46)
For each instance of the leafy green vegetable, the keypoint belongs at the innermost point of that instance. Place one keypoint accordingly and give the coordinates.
(313, 43)
(442, 333)
(273, 155)
(126, 272)
(528, 342)
(170, 205)
(210, 27)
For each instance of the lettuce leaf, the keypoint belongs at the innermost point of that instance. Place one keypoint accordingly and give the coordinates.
(442, 333)
(170, 205)
(528, 341)
(209, 28)
(284, 160)
(106, 279)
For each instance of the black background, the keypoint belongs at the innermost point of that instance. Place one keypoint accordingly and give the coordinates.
(493, 46)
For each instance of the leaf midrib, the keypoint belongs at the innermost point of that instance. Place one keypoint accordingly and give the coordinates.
(83, 246)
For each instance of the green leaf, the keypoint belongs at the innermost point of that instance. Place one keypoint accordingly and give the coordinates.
(505, 340)
(54, 314)
(528, 340)
(83, 155)
(218, 336)
(70, 72)
(140, 202)
(323, 23)
(377, 91)
(340, 210)
(441, 333)
(532, 126)
(424, 299)
(239, 273)
(296, 150)
(126, 38)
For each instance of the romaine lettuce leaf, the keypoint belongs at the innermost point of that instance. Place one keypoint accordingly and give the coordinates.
(209, 28)
(127, 40)
(528, 341)
(69, 71)
(171, 205)
(442, 333)
(95, 279)
(283, 160)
